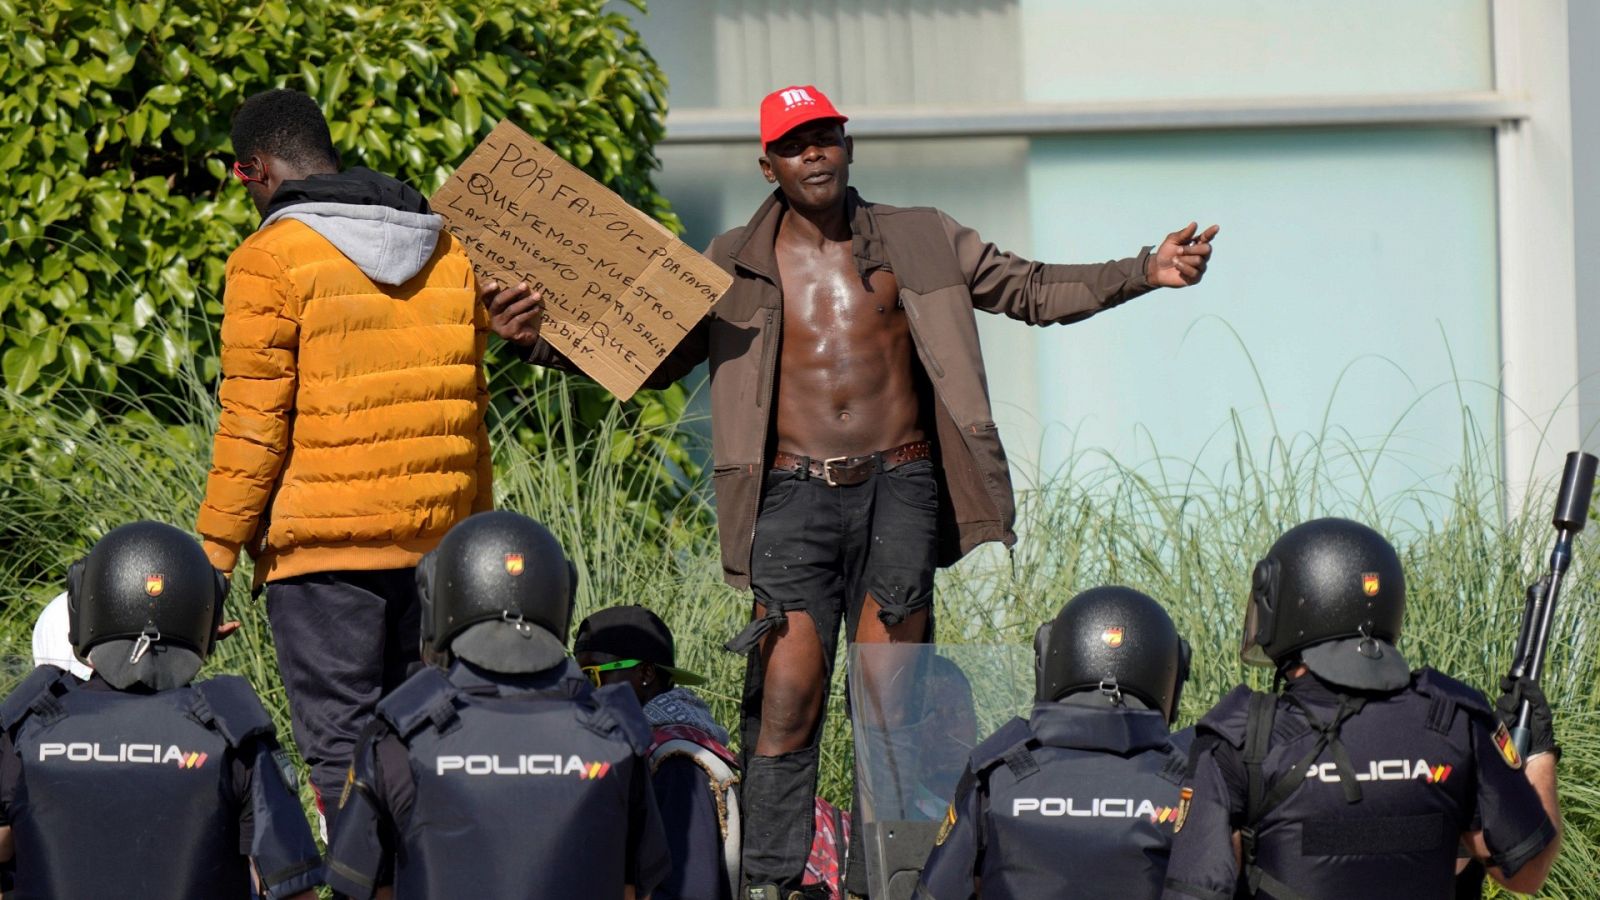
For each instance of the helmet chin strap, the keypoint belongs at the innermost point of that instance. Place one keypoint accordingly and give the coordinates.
(1280, 674)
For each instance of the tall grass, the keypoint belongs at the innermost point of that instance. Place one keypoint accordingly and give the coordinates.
(1185, 535)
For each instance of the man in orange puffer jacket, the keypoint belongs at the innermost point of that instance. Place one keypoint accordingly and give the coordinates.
(352, 433)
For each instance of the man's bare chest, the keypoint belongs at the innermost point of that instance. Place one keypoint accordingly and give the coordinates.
(836, 299)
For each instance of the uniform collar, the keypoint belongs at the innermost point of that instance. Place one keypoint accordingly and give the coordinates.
(96, 684)
(1310, 688)
(566, 679)
(755, 252)
(1085, 728)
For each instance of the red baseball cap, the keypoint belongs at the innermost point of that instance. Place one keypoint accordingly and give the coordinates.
(797, 104)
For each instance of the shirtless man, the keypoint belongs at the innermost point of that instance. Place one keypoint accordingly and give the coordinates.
(858, 452)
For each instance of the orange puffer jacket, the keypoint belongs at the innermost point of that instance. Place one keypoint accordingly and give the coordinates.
(352, 433)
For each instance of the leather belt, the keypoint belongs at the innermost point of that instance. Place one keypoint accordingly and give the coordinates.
(843, 471)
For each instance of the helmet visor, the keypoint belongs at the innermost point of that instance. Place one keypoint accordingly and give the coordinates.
(1250, 644)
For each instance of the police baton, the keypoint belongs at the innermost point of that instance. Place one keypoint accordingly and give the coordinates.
(1538, 615)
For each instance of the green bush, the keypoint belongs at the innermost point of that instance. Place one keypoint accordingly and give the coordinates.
(118, 212)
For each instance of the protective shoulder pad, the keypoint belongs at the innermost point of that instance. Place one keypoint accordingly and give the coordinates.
(996, 747)
(426, 697)
(617, 709)
(1434, 683)
(1446, 695)
(20, 701)
(1182, 740)
(1176, 767)
(1227, 719)
(229, 704)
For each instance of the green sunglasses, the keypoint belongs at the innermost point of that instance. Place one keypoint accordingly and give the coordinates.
(594, 671)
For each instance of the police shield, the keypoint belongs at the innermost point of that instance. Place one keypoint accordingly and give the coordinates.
(917, 710)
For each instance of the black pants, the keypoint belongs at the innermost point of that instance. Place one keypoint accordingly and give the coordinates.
(344, 640)
(822, 550)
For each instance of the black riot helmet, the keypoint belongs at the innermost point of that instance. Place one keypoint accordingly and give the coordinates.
(1332, 592)
(1114, 639)
(498, 592)
(143, 607)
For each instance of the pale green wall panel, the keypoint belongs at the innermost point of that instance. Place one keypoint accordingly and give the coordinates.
(1363, 254)
(1089, 50)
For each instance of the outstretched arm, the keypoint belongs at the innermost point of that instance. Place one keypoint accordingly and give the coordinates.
(1046, 294)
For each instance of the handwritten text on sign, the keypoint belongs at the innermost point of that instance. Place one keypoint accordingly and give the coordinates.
(619, 290)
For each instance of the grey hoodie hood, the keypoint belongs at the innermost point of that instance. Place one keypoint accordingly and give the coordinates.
(382, 226)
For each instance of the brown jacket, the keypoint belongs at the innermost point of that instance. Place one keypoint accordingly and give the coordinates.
(945, 272)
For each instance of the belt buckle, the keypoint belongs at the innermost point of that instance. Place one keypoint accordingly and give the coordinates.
(827, 469)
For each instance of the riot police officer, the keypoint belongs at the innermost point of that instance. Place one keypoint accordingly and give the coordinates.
(1361, 777)
(136, 782)
(501, 771)
(1083, 795)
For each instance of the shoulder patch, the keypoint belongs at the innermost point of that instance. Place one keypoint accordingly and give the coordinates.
(946, 826)
(1185, 796)
(1506, 746)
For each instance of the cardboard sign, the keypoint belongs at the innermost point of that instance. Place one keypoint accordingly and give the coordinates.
(620, 291)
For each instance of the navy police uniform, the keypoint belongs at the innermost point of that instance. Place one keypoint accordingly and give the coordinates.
(136, 793)
(1076, 796)
(482, 784)
(1342, 794)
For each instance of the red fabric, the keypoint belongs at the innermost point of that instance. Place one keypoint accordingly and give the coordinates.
(825, 865)
(693, 735)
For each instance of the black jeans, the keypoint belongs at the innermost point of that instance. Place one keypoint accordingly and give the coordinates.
(822, 550)
(344, 640)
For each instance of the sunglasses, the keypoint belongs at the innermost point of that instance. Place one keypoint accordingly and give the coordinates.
(241, 172)
(594, 671)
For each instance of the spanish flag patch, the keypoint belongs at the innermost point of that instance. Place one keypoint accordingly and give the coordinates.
(349, 782)
(1507, 747)
(946, 826)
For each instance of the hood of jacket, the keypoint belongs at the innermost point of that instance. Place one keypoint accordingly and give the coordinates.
(681, 706)
(382, 226)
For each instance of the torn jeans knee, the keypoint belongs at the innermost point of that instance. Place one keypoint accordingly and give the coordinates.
(747, 640)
